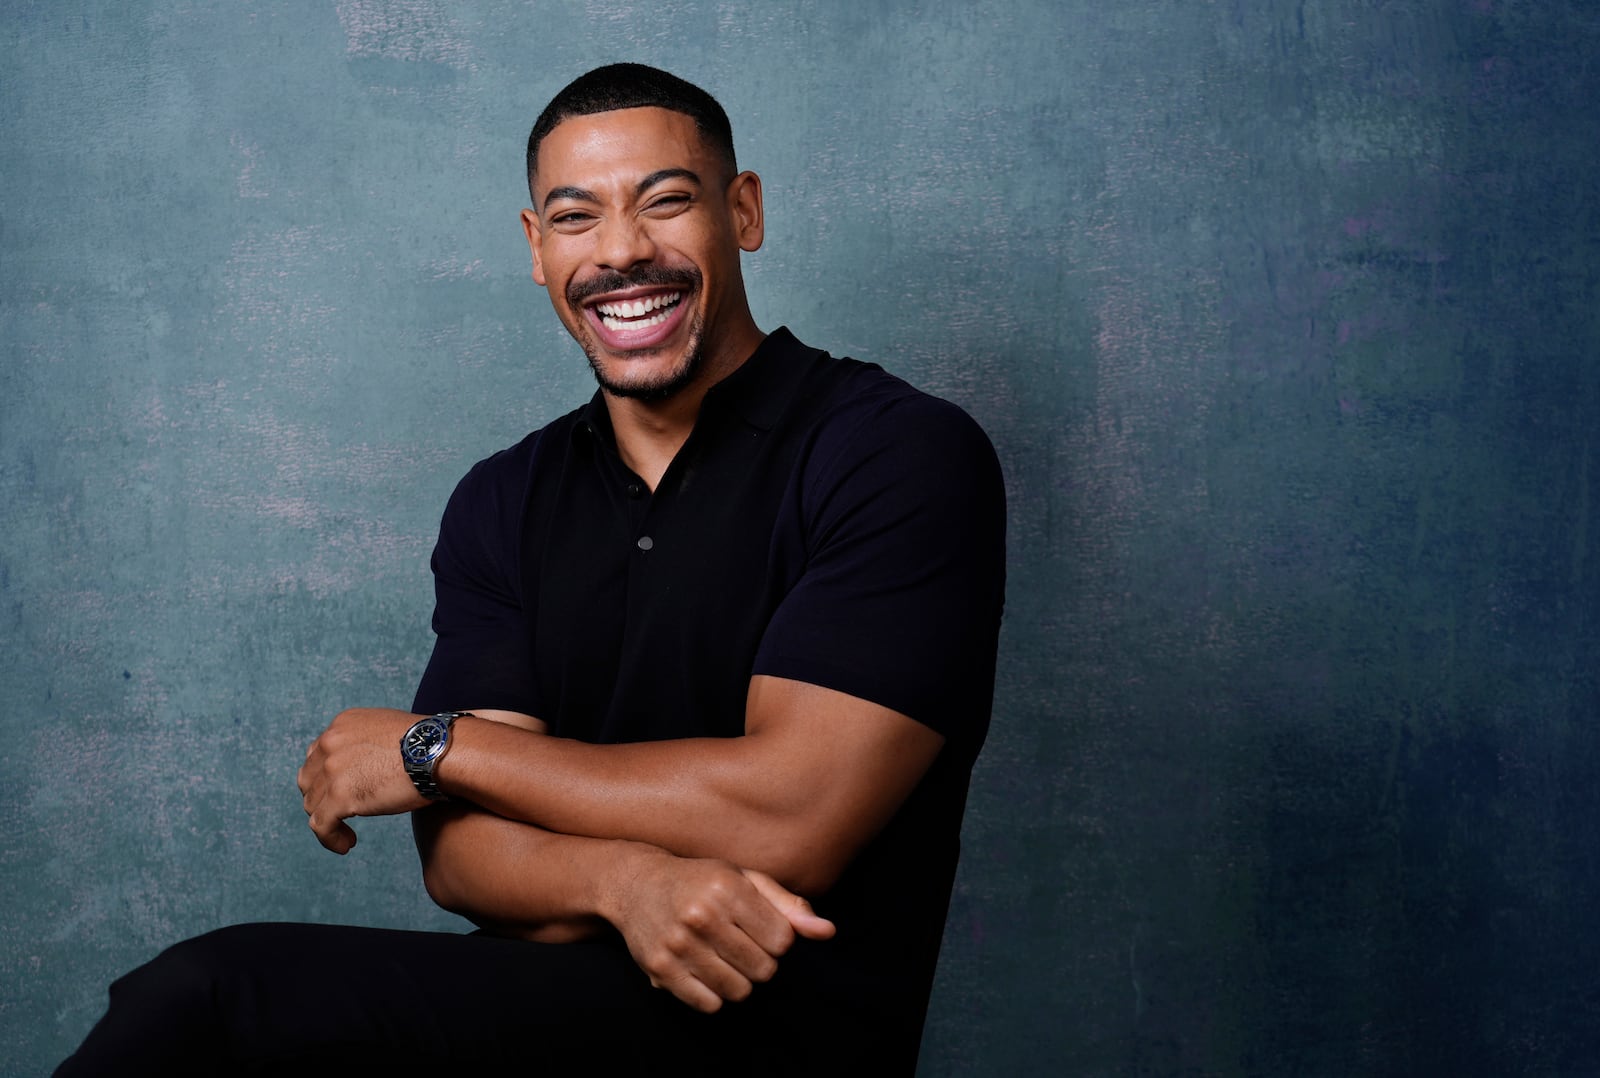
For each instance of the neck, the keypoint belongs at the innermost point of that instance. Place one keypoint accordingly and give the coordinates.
(650, 433)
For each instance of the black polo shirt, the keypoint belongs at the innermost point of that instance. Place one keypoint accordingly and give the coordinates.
(824, 522)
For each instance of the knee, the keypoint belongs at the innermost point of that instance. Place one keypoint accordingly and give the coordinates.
(186, 983)
(167, 1017)
(186, 970)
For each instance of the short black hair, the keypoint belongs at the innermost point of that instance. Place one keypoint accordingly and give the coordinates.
(633, 86)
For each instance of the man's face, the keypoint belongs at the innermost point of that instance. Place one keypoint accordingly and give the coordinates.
(636, 232)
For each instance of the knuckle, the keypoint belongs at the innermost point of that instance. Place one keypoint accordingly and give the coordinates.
(764, 970)
(697, 915)
(657, 963)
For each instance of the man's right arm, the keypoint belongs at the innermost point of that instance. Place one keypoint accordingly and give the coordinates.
(703, 929)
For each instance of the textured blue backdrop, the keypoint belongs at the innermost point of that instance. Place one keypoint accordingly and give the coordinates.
(1283, 317)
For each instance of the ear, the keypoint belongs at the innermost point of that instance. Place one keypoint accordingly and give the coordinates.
(530, 228)
(744, 204)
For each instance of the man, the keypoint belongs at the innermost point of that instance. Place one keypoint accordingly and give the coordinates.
(713, 648)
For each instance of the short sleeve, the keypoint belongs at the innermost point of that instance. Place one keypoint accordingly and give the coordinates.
(482, 654)
(900, 599)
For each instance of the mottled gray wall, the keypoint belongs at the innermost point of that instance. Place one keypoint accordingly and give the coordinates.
(1282, 315)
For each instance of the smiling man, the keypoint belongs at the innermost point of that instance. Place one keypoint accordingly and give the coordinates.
(714, 659)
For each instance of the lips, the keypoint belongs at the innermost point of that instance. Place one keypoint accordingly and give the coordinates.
(634, 322)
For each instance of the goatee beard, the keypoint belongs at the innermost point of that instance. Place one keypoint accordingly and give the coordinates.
(658, 389)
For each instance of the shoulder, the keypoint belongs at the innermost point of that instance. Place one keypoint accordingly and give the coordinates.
(482, 522)
(500, 481)
(877, 422)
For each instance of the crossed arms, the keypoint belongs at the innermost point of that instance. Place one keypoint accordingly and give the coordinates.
(696, 850)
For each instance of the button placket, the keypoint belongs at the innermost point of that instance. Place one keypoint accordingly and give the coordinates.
(640, 505)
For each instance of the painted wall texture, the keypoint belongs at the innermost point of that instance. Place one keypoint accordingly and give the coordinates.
(1283, 316)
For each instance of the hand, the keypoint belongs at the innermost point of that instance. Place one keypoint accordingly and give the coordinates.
(354, 769)
(705, 930)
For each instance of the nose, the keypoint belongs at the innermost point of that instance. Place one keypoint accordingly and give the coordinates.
(623, 242)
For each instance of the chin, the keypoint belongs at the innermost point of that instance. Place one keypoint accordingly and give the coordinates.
(658, 383)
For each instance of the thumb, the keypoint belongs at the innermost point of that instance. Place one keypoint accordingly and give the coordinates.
(794, 907)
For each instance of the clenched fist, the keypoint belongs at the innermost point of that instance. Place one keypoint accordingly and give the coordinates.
(354, 769)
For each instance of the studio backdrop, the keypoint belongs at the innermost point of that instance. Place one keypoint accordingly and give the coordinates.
(1283, 316)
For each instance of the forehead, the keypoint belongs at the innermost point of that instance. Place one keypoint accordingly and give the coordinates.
(624, 144)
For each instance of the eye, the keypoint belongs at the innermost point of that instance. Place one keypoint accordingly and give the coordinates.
(670, 202)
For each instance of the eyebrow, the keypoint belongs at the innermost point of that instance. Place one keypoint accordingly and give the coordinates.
(660, 175)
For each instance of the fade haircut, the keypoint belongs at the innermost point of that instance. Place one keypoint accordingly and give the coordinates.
(633, 86)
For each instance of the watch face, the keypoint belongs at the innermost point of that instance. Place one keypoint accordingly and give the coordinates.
(424, 741)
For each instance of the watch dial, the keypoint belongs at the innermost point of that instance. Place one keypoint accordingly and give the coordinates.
(421, 741)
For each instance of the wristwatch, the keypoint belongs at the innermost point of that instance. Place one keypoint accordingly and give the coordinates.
(424, 745)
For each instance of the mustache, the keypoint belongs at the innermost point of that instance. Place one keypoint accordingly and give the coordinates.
(646, 276)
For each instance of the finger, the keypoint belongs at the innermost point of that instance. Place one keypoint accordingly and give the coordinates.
(794, 907)
(735, 957)
(687, 988)
(752, 932)
(711, 970)
(336, 835)
(311, 779)
(728, 936)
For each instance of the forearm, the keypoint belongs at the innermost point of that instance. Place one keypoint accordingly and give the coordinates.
(514, 878)
(694, 798)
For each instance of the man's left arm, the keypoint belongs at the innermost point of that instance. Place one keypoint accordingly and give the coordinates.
(816, 774)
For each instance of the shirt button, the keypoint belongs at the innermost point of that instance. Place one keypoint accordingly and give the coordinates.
(645, 542)
(635, 490)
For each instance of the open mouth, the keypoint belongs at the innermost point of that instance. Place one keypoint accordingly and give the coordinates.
(633, 323)
(638, 313)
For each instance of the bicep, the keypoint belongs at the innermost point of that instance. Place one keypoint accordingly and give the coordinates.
(847, 765)
(900, 599)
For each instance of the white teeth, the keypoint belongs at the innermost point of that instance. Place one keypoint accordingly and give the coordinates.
(617, 323)
(638, 308)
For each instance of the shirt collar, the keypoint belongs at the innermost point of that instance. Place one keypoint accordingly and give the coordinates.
(759, 390)
(762, 387)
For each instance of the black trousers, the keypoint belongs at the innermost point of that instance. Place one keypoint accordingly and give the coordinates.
(306, 1000)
